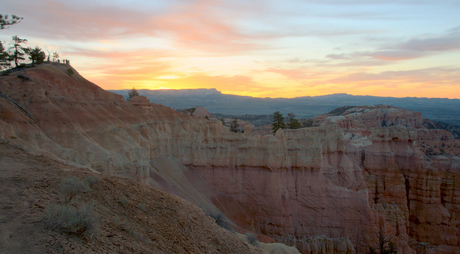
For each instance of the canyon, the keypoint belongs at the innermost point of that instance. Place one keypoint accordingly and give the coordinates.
(323, 189)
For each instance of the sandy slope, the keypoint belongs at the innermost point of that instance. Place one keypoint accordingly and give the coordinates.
(132, 218)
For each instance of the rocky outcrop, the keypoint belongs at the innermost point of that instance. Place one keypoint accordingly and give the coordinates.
(365, 117)
(358, 172)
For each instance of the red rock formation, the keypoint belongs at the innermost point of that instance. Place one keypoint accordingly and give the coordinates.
(361, 171)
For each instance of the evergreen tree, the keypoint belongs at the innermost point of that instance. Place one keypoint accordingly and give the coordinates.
(5, 22)
(4, 58)
(17, 50)
(234, 126)
(55, 56)
(133, 92)
(292, 122)
(278, 122)
(36, 55)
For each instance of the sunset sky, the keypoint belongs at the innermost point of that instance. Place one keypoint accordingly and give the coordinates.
(261, 48)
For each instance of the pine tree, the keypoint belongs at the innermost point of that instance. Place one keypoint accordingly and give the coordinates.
(4, 58)
(278, 122)
(133, 92)
(36, 55)
(234, 126)
(5, 21)
(292, 122)
(17, 51)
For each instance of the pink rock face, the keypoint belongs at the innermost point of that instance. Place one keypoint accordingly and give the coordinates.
(358, 172)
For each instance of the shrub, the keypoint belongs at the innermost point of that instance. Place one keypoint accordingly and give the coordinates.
(71, 220)
(252, 239)
(142, 207)
(91, 180)
(71, 187)
(123, 200)
(221, 220)
(69, 71)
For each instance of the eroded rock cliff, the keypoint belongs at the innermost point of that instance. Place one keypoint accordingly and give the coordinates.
(362, 170)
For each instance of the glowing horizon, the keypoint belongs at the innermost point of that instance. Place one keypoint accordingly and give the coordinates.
(253, 48)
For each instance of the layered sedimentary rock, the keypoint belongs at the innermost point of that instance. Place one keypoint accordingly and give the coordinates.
(361, 170)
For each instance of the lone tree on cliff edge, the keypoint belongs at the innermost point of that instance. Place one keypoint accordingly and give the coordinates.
(35, 54)
(17, 50)
(133, 92)
(292, 122)
(278, 122)
(234, 126)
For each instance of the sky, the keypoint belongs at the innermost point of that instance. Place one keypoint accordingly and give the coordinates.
(260, 48)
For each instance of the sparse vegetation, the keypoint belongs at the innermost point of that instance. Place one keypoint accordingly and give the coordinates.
(234, 126)
(4, 57)
(71, 220)
(123, 200)
(339, 111)
(384, 244)
(69, 71)
(278, 122)
(307, 123)
(5, 21)
(70, 187)
(220, 219)
(292, 122)
(142, 207)
(252, 239)
(131, 93)
(91, 180)
(17, 51)
(189, 111)
(55, 56)
(36, 55)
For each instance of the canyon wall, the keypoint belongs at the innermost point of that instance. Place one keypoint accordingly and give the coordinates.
(347, 178)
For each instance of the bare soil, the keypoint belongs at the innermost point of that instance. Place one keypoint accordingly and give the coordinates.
(131, 217)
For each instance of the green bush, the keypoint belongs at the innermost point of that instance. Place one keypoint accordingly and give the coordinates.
(71, 220)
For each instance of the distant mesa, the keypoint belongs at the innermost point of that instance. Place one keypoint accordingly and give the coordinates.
(435, 109)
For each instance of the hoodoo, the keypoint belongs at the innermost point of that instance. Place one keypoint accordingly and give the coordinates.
(329, 188)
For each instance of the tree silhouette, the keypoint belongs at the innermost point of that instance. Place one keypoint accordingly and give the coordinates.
(234, 125)
(69, 71)
(278, 122)
(36, 55)
(384, 244)
(55, 56)
(133, 92)
(4, 58)
(5, 22)
(17, 50)
(292, 122)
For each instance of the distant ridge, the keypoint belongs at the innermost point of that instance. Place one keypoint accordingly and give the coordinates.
(436, 109)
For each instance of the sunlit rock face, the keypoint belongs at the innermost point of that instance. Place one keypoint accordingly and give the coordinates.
(358, 171)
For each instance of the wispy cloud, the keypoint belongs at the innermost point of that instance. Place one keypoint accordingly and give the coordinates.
(427, 43)
(263, 47)
(438, 75)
